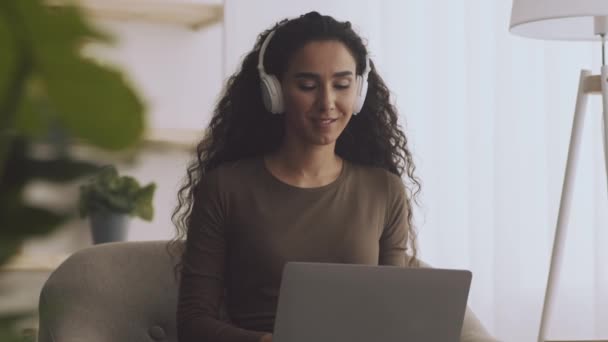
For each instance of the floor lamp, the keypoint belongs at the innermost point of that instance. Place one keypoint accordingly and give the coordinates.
(567, 20)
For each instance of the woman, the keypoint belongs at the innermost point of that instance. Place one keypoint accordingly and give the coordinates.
(302, 161)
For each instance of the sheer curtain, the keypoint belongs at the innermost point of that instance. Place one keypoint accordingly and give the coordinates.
(488, 115)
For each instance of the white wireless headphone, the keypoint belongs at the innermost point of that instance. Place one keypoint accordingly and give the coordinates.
(272, 94)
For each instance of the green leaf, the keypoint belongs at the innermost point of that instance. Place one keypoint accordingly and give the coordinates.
(8, 329)
(59, 170)
(8, 59)
(95, 104)
(29, 120)
(13, 176)
(34, 116)
(20, 221)
(57, 30)
(108, 191)
(19, 168)
(144, 208)
(8, 248)
(92, 102)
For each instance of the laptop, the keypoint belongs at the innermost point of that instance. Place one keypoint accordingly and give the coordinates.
(323, 302)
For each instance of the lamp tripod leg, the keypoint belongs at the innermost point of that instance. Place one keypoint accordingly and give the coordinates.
(604, 82)
(565, 204)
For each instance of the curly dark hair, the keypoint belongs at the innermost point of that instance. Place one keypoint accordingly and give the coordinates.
(241, 127)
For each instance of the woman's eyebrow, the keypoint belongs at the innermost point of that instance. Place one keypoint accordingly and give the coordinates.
(343, 74)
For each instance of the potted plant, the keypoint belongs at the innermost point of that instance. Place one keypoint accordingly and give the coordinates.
(110, 200)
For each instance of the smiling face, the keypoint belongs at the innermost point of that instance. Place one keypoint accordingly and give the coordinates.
(319, 88)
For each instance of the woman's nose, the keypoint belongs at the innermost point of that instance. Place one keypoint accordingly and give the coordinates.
(326, 98)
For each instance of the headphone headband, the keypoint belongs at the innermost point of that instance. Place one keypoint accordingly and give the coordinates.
(367, 69)
(262, 52)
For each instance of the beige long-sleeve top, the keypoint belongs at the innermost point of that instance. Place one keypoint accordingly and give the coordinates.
(249, 224)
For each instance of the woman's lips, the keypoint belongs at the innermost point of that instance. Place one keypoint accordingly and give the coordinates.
(324, 122)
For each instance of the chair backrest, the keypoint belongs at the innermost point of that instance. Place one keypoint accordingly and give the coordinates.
(127, 291)
(123, 291)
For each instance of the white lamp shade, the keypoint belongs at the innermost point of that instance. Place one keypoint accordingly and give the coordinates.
(557, 19)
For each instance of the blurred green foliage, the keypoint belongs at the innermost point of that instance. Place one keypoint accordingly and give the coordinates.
(111, 193)
(50, 94)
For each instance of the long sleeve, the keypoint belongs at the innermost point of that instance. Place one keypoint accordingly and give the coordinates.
(393, 240)
(202, 280)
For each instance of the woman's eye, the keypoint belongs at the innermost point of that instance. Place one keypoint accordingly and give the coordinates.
(309, 87)
(306, 86)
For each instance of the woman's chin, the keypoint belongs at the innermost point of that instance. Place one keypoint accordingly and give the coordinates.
(324, 140)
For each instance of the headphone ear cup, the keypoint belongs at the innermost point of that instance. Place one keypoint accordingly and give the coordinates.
(272, 94)
(361, 93)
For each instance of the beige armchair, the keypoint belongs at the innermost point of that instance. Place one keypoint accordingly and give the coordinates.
(126, 291)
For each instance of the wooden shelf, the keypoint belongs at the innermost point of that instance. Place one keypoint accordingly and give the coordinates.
(188, 13)
(180, 139)
(33, 263)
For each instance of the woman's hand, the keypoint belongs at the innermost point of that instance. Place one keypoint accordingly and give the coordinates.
(266, 338)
